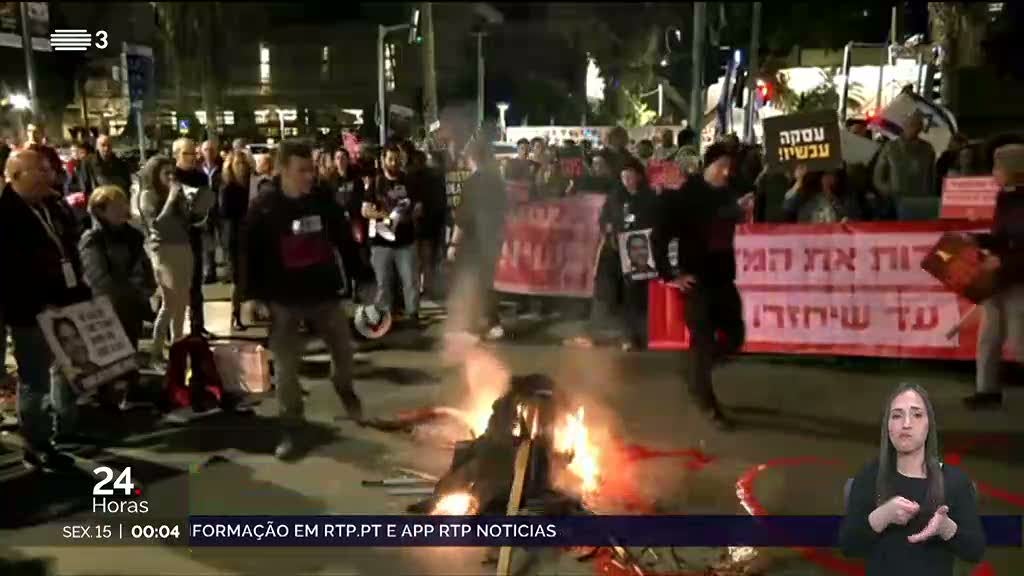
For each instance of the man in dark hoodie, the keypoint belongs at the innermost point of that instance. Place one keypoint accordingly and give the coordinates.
(703, 216)
(297, 249)
(38, 240)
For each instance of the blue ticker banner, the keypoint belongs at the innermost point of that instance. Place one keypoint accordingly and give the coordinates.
(542, 531)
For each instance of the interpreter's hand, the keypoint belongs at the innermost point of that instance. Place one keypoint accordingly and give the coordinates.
(452, 252)
(940, 525)
(899, 510)
(686, 282)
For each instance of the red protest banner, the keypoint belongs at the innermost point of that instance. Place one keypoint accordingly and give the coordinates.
(843, 289)
(571, 167)
(551, 247)
(969, 198)
(518, 191)
(666, 174)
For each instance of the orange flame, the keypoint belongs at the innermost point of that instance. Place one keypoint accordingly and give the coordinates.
(573, 439)
(455, 504)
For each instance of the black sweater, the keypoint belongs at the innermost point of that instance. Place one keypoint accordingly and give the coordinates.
(291, 247)
(1007, 237)
(889, 553)
(33, 276)
(704, 220)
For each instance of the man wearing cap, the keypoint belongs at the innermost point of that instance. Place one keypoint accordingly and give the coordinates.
(702, 216)
(1003, 312)
(905, 172)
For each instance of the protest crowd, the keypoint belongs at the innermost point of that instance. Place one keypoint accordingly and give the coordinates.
(299, 230)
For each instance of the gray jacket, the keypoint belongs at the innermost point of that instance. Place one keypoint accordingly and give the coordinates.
(169, 222)
(906, 169)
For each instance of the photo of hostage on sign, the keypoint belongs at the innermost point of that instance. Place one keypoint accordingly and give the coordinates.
(88, 343)
(635, 253)
(811, 139)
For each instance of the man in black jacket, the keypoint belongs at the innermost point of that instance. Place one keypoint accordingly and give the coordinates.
(38, 250)
(105, 169)
(296, 252)
(703, 216)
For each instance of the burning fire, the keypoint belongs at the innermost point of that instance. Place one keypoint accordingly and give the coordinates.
(573, 438)
(455, 504)
(488, 378)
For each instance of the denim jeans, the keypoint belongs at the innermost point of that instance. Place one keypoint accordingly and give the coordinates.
(385, 261)
(38, 377)
(710, 309)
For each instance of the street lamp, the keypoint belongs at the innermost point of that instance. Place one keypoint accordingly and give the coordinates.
(20, 102)
(502, 108)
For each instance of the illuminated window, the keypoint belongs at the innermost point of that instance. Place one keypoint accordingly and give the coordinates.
(325, 63)
(289, 114)
(389, 66)
(169, 119)
(224, 117)
(264, 63)
(262, 116)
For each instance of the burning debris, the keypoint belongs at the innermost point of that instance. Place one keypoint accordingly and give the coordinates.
(559, 467)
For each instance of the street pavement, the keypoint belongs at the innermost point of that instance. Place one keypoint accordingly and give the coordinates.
(805, 426)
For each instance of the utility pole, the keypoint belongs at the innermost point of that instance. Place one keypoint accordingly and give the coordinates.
(696, 78)
(30, 70)
(381, 104)
(429, 70)
(480, 77)
(755, 46)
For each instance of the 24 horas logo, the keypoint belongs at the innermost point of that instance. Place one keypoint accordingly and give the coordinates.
(129, 501)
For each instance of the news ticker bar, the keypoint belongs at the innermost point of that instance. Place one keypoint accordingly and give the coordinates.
(485, 531)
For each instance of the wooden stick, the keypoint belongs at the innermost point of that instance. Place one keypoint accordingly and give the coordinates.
(963, 321)
(518, 483)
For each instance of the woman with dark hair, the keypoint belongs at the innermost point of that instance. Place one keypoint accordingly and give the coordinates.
(168, 214)
(821, 197)
(234, 203)
(907, 513)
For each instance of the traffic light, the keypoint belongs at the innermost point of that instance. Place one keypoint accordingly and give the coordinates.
(765, 92)
(414, 28)
(717, 64)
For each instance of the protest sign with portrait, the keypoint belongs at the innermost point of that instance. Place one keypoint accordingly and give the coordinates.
(88, 343)
(810, 138)
(636, 255)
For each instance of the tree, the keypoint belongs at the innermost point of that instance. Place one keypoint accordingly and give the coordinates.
(186, 26)
(628, 45)
(958, 28)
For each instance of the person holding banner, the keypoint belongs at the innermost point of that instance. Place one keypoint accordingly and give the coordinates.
(703, 217)
(907, 512)
(1003, 313)
(38, 240)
